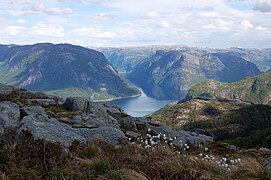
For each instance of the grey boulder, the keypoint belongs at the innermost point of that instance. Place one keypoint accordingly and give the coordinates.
(77, 104)
(9, 114)
(132, 134)
(35, 112)
(50, 130)
(6, 89)
(108, 134)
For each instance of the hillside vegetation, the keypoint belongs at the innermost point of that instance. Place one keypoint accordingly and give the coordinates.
(240, 123)
(256, 90)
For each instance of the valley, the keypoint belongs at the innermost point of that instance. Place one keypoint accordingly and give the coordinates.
(135, 90)
(142, 105)
(210, 107)
(168, 72)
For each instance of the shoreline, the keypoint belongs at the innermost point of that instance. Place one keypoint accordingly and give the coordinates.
(119, 98)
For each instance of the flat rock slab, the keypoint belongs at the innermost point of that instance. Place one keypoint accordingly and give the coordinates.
(36, 112)
(51, 130)
(132, 134)
(108, 134)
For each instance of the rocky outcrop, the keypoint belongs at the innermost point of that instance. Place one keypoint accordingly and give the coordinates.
(10, 115)
(6, 90)
(79, 119)
(109, 134)
(51, 130)
(35, 112)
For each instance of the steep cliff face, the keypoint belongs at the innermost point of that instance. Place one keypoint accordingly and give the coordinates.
(254, 89)
(64, 70)
(170, 74)
(261, 57)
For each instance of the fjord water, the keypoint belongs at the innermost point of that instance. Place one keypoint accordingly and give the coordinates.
(141, 106)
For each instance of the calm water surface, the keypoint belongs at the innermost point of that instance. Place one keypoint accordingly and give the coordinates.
(141, 106)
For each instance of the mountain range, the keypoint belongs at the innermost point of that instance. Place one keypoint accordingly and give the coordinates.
(163, 72)
(64, 70)
(168, 72)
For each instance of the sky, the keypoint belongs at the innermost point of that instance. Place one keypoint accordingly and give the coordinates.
(205, 23)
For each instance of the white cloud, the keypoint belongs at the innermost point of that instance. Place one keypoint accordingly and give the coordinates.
(152, 14)
(246, 24)
(106, 34)
(20, 21)
(93, 32)
(40, 8)
(42, 29)
(14, 30)
(58, 11)
(83, 31)
(101, 17)
(209, 26)
(164, 24)
(128, 22)
(261, 28)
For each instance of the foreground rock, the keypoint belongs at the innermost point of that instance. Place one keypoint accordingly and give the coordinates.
(79, 119)
(35, 112)
(108, 134)
(6, 89)
(9, 115)
(50, 130)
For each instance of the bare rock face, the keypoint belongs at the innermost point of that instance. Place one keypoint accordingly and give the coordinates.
(51, 130)
(36, 112)
(78, 104)
(108, 134)
(9, 114)
(5, 89)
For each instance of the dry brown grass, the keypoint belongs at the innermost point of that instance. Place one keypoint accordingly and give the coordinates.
(30, 159)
